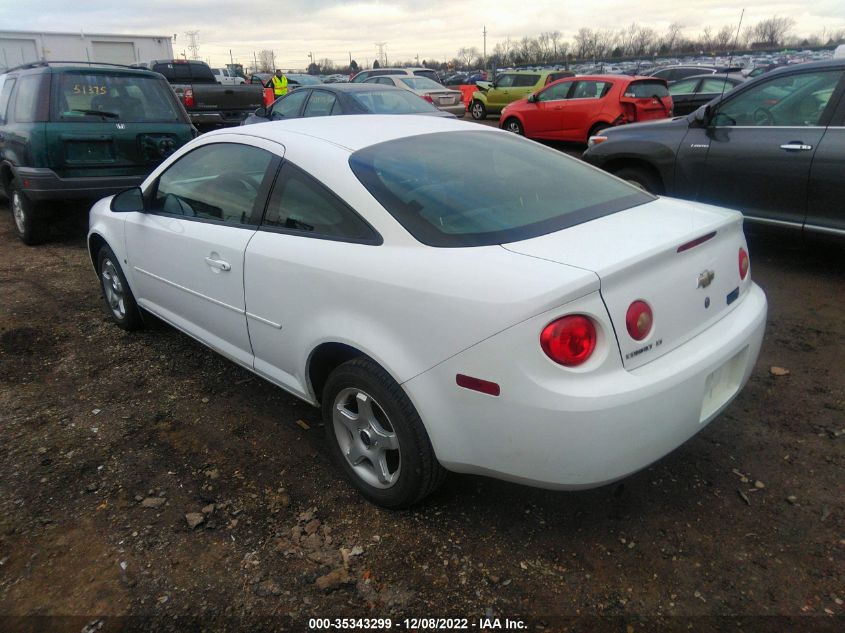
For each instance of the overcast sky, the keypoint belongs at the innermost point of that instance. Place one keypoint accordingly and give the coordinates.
(432, 29)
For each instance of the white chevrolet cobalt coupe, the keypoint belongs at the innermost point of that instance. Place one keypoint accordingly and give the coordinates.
(452, 296)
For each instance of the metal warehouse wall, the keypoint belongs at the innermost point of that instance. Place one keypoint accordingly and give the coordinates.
(20, 47)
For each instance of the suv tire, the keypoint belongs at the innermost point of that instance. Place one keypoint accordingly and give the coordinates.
(27, 217)
(477, 110)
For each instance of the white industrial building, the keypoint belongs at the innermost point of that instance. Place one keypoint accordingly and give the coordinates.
(22, 47)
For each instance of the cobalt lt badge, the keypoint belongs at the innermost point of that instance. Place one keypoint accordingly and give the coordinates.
(120, 126)
(706, 278)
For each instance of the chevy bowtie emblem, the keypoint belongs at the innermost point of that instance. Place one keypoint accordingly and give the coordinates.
(706, 278)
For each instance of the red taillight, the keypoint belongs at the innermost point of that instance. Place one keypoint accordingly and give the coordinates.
(427, 98)
(570, 340)
(744, 263)
(188, 98)
(638, 320)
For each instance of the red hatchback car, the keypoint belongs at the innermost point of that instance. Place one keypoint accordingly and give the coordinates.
(576, 108)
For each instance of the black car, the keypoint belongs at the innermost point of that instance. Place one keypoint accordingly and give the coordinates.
(693, 92)
(349, 98)
(773, 148)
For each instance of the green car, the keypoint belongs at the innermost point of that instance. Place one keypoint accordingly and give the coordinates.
(79, 132)
(508, 87)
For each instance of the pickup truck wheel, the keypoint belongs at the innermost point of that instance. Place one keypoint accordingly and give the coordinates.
(377, 436)
(477, 110)
(640, 178)
(28, 217)
(119, 299)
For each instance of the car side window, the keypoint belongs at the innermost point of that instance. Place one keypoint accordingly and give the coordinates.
(556, 92)
(714, 85)
(25, 99)
(683, 87)
(289, 106)
(505, 81)
(5, 93)
(320, 104)
(384, 81)
(589, 90)
(525, 81)
(301, 205)
(219, 181)
(794, 100)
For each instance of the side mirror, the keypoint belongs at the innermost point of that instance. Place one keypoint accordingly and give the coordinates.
(702, 116)
(532, 99)
(261, 112)
(129, 201)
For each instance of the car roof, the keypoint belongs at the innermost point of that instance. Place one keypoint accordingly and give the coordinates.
(351, 87)
(352, 132)
(61, 66)
(730, 76)
(822, 65)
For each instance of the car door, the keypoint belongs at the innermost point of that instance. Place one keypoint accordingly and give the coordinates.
(524, 85)
(826, 195)
(581, 107)
(186, 252)
(684, 97)
(294, 270)
(500, 94)
(761, 142)
(546, 117)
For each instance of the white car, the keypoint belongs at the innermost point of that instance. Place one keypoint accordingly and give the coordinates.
(525, 316)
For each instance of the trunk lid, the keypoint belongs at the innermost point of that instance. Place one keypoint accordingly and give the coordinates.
(638, 254)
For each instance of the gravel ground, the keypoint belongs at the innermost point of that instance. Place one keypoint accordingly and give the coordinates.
(143, 475)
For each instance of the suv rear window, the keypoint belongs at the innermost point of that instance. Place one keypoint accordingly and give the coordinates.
(190, 72)
(646, 88)
(436, 187)
(98, 96)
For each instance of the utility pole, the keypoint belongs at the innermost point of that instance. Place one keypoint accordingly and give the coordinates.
(193, 43)
(255, 61)
(484, 58)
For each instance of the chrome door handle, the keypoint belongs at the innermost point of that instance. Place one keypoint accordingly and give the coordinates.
(218, 263)
(796, 146)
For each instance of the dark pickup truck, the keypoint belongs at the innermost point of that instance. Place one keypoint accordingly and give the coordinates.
(209, 104)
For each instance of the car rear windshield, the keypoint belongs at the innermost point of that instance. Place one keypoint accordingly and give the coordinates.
(421, 83)
(393, 101)
(430, 74)
(102, 96)
(452, 189)
(646, 88)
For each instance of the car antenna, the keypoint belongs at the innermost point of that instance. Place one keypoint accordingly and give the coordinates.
(731, 56)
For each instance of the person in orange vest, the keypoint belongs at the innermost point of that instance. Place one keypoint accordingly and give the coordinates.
(279, 84)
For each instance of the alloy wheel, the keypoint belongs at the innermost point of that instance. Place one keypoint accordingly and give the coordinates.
(366, 438)
(113, 289)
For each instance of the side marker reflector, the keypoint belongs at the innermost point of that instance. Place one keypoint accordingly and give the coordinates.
(477, 384)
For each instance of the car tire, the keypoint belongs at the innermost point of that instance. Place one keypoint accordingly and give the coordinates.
(477, 110)
(118, 297)
(640, 177)
(27, 217)
(377, 437)
(513, 125)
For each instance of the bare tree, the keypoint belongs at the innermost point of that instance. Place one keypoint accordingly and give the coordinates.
(724, 39)
(771, 32)
(265, 61)
(672, 35)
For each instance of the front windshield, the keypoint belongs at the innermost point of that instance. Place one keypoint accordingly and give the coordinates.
(438, 189)
(120, 98)
(393, 102)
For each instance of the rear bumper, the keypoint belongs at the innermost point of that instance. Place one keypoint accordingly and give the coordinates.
(218, 118)
(567, 430)
(45, 185)
(458, 109)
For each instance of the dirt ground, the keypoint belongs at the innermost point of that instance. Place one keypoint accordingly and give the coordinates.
(108, 440)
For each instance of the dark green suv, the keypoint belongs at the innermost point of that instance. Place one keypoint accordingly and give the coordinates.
(78, 132)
